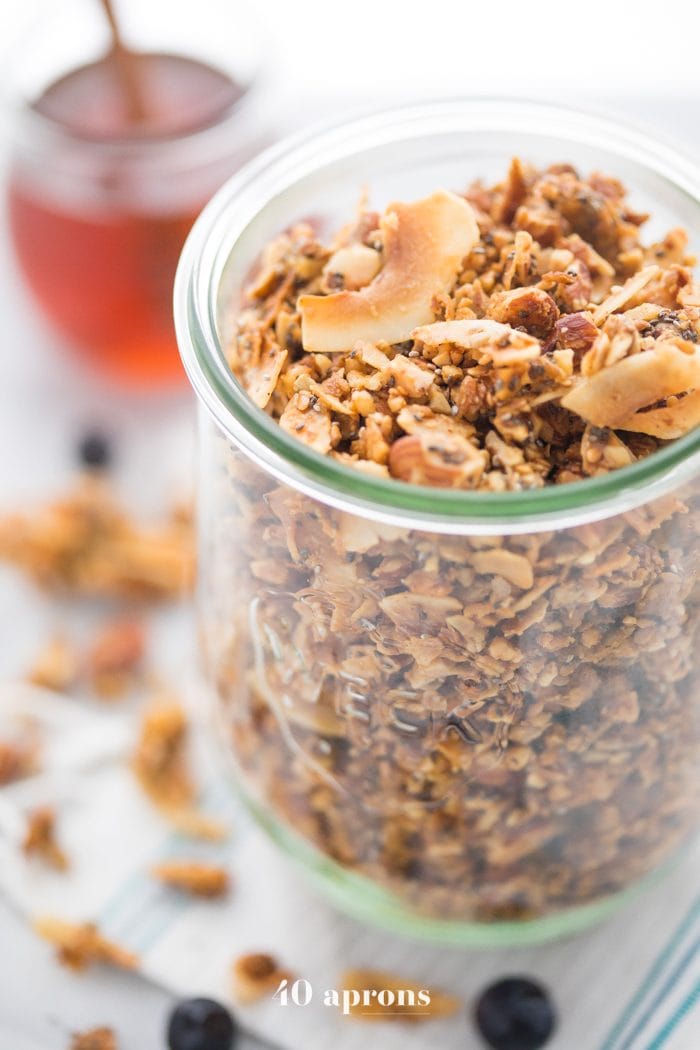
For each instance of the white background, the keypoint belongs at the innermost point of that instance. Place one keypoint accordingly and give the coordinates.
(639, 59)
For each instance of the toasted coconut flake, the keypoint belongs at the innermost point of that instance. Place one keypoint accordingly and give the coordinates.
(485, 339)
(424, 244)
(612, 396)
(621, 296)
(386, 996)
(261, 378)
(673, 420)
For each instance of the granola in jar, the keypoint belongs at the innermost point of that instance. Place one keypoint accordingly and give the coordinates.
(489, 726)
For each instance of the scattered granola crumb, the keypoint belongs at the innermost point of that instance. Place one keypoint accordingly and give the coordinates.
(115, 657)
(85, 544)
(256, 976)
(194, 877)
(160, 762)
(79, 945)
(19, 755)
(405, 1004)
(40, 838)
(56, 666)
(95, 1039)
(161, 766)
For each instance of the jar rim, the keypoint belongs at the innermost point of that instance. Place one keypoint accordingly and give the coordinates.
(206, 253)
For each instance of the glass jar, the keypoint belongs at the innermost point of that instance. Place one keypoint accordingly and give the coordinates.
(473, 717)
(99, 206)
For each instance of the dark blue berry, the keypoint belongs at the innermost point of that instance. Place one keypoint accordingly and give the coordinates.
(94, 450)
(200, 1024)
(515, 1014)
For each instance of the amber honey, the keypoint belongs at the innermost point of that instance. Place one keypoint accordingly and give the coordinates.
(97, 228)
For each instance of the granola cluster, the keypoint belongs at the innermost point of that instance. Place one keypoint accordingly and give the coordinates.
(518, 336)
(86, 545)
(489, 727)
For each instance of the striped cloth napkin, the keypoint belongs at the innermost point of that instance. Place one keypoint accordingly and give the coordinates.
(631, 984)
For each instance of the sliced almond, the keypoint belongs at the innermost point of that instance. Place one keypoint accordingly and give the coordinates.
(424, 244)
(620, 296)
(513, 567)
(612, 396)
(261, 378)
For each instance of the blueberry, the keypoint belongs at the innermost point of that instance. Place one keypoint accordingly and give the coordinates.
(200, 1024)
(94, 450)
(515, 1014)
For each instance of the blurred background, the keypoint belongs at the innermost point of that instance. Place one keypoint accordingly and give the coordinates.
(100, 188)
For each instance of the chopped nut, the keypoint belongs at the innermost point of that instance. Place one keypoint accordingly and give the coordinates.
(355, 265)
(257, 976)
(394, 998)
(80, 945)
(40, 838)
(431, 458)
(193, 877)
(528, 308)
